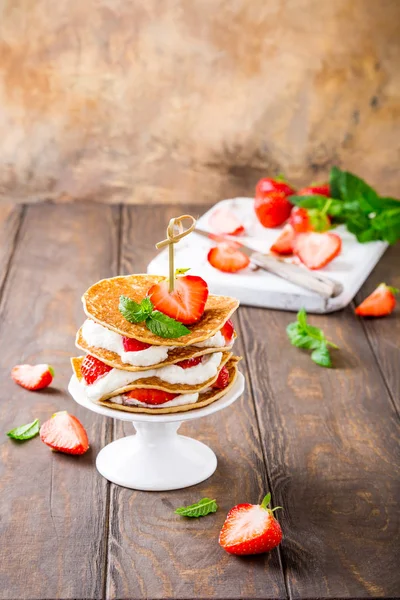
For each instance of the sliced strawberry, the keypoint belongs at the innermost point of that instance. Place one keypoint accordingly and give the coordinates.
(223, 379)
(150, 396)
(272, 210)
(378, 304)
(250, 529)
(284, 243)
(132, 345)
(190, 362)
(227, 257)
(92, 368)
(33, 377)
(316, 250)
(223, 220)
(228, 331)
(266, 185)
(312, 190)
(187, 301)
(65, 433)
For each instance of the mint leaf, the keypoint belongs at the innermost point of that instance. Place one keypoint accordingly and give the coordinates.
(25, 432)
(164, 326)
(134, 312)
(321, 356)
(204, 507)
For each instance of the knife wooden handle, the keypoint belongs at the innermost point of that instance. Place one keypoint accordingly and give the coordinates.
(325, 287)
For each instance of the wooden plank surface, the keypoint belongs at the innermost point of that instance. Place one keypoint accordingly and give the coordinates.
(153, 553)
(331, 442)
(10, 220)
(53, 506)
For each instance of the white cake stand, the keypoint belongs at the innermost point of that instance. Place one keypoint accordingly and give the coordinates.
(157, 458)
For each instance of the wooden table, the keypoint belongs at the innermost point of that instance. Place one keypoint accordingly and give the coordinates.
(325, 442)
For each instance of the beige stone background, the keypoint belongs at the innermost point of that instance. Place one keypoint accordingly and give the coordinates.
(194, 100)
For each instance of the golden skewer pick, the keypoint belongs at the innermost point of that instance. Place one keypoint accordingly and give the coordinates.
(175, 232)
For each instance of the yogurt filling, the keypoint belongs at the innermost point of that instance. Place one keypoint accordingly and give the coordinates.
(98, 336)
(174, 374)
(178, 401)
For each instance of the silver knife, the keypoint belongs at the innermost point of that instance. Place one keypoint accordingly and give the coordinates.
(324, 286)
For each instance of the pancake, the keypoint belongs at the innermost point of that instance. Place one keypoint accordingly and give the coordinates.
(175, 355)
(155, 382)
(204, 400)
(101, 300)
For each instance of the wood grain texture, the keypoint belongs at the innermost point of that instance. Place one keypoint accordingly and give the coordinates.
(10, 220)
(331, 443)
(53, 507)
(153, 553)
(194, 101)
(384, 334)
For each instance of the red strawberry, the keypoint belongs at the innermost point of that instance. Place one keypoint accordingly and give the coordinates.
(150, 396)
(272, 210)
(284, 243)
(265, 186)
(190, 362)
(227, 257)
(187, 301)
(378, 304)
(320, 190)
(222, 380)
(92, 368)
(250, 529)
(303, 220)
(33, 377)
(133, 345)
(222, 220)
(65, 433)
(316, 250)
(227, 331)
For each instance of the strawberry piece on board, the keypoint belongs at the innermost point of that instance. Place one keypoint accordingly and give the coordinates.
(228, 258)
(224, 221)
(378, 304)
(185, 303)
(315, 250)
(284, 243)
(65, 433)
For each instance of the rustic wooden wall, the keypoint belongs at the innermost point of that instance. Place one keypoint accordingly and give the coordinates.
(193, 100)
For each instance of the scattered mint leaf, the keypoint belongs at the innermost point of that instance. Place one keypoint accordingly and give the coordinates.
(181, 271)
(134, 312)
(204, 507)
(164, 326)
(25, 432)
(308, 337)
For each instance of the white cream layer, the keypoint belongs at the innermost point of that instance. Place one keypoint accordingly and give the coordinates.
(178, 401)
(116, 378)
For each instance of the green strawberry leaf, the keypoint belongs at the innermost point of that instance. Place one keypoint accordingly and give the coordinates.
(134, 312)
(204, 507)
(321, 356)
(164, 326)
(25, 432)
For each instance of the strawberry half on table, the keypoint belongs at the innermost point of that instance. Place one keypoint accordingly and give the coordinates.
(380, 303)
(185, 303)
(33, 377)
(251, 529)
(64, 433)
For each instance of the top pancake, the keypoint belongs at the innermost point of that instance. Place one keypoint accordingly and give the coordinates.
(101, 300)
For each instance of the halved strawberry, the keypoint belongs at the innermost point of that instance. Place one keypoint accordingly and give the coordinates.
(223, 220)
(151, 396)
(284, 243)
(185, 303)
(321, 190)
(267, 185)
(223, 379)
(378, 304)
(316, 250)
(133, 345)
(272, 210)
(92, 368)
(227, 257)
(250, 529)
(190, 362)
(227, 331)
(65, 433)
(33, 377)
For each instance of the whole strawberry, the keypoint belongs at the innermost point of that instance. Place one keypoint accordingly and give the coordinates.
(272, 209)
(251, 529)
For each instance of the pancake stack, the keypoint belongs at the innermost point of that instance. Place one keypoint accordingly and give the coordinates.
(127, 367)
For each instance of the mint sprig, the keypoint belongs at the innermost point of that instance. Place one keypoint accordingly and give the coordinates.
(25, 432)
(303, 335)
(156, 321)
(203, 507)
